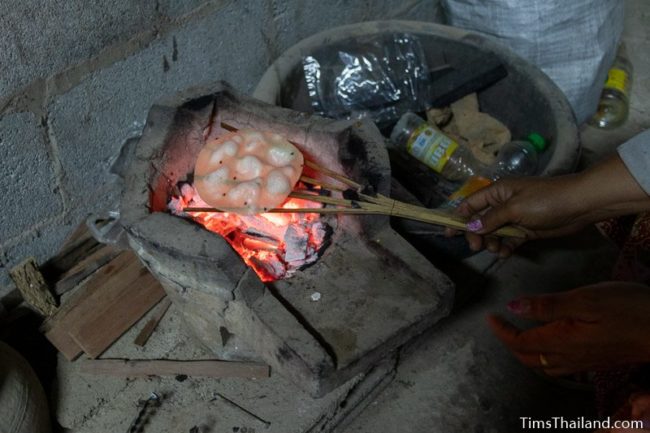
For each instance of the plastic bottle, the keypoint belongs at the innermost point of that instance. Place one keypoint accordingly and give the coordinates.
(427, 144)
(518, 158)
(614, 103)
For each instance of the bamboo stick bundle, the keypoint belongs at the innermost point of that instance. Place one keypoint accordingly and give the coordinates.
(360, 203)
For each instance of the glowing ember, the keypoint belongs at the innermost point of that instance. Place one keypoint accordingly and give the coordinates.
(275, 245)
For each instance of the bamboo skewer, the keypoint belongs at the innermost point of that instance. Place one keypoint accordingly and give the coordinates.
(325, 199)
(334, 175)
(316, 210)
(323, 185)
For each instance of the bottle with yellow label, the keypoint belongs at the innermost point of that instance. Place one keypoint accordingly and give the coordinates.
(451, 159)
(614, 101)
(517, 158)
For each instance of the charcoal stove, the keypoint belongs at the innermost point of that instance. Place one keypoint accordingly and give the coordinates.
(374, 290)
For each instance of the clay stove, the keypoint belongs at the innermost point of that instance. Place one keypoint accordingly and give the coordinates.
(375, 291)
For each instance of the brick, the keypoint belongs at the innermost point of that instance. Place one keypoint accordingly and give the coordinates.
(41, 244)
(43, 38)
(27, 185)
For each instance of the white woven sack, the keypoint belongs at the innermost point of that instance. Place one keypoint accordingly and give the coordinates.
(573, 41)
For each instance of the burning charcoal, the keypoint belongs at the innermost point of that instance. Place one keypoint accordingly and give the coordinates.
(176, 206)
(295, 244)
(275, 245)
(318, 233)
(265, 237)
(258, 245)
(271, 267)
(262, 227)
(188, 192)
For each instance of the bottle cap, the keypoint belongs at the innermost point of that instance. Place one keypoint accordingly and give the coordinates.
(537, 141)
(403, 129)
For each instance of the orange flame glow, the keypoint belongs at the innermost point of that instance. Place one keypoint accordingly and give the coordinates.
(274, 245)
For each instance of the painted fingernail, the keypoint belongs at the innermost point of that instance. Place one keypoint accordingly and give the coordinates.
(474, 225)
(519, 306)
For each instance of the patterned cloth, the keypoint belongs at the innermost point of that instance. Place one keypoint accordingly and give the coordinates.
(632, 235)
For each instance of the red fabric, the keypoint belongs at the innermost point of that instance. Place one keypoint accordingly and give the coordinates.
(632, 235)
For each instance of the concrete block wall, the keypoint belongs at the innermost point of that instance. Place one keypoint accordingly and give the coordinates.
(79, 77)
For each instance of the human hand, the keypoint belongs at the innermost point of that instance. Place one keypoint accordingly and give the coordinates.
(542, 207)
(586, 329)
(549, 207)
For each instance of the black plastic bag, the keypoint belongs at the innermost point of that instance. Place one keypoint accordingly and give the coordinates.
(379, 76)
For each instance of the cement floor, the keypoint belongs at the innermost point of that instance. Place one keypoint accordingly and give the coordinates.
(459, 378)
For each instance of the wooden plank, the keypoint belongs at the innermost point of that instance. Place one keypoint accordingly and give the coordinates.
(197, 368)
(151, 325)
(64, 344)
(135, 291)
(72, 301)
(56, 328)
(32, 286)
(85, 290)
(104, 289)
(73, 276)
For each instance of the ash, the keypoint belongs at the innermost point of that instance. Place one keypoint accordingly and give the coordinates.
(275, 245)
